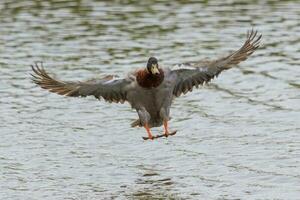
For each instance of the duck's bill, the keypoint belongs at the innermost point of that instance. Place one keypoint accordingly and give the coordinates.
(154, 69)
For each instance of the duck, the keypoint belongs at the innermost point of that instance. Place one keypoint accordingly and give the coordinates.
(149, 90)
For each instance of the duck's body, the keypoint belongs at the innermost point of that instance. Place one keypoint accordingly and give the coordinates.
(150, 91)
(153, 102)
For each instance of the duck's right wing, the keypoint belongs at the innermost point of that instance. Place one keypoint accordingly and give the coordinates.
(200, 72)
(109, 89)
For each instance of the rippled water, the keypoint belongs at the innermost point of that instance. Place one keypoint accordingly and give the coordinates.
(239, 137)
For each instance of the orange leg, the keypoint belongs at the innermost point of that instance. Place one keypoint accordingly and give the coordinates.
(148, 131)
(166, 128)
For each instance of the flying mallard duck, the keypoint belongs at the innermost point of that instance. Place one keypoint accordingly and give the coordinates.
(151, 90)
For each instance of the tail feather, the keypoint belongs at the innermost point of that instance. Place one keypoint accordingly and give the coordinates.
(136, 123)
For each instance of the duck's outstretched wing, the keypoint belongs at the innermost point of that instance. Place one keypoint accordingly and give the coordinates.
(203, 71)
(109, 89)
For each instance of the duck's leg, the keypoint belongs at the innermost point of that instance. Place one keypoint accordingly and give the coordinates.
(150, 136)
(166, 128)
(145, 118)
(167, 132)
(164, 114)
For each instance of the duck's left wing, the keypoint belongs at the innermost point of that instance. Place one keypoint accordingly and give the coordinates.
(109, 89)
(200, 72)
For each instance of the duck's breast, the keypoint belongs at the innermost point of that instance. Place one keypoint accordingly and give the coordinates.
(152, 99)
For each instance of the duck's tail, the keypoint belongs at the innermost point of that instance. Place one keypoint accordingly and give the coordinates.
(136, 123)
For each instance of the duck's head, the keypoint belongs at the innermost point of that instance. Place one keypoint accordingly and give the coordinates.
(152, 66)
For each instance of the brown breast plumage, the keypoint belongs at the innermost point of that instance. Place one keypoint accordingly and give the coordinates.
(148, 80)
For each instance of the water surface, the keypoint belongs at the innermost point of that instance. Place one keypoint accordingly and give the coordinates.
(238, 138)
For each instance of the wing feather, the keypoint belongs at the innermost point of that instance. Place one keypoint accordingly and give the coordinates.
(110, 90)
(203, 71)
